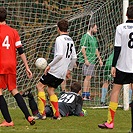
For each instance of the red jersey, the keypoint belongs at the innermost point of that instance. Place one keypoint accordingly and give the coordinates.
(9, 41)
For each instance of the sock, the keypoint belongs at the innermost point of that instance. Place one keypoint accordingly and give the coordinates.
(87, 94)
(111, 111)
(41, 102)
(22, 105)
(32, 104)
(83, 94)
(54, 104)
(104, 93)
(4, 109)
(130, 95)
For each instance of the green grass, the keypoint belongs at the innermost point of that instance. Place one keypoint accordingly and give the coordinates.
(72, 124)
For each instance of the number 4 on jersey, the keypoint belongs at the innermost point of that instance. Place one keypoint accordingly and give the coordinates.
(6, 42)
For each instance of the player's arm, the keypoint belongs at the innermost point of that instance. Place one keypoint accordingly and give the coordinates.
(83, 50)
(59, 54)
(78, 109)
(70, 68)
(55, 60)
(23, 57)
(72, 63)
(117, 50)
(84, 44)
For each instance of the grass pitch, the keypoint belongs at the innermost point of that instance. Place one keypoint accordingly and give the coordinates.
(72, 124)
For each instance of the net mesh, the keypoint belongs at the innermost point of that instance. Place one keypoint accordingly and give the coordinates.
(36, 24)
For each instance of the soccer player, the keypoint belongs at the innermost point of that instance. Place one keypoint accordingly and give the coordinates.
(87, 58)
(56, 71)
(107, 78)
(70, 103)
(122, 65)
(9, 42)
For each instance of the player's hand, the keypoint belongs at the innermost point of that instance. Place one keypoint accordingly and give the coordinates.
(29, 73)
(113, 71)
(87, 62)
(101, 63)
(46, 70)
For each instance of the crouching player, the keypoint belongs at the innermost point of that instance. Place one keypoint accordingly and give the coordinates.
(70, 103)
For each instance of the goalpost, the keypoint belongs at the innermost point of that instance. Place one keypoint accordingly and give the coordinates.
(36, 23)
(126, 86)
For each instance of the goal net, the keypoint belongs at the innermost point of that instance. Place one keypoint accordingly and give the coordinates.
(36, 22)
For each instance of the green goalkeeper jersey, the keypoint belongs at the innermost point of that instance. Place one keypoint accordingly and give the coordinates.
(90, 44)
(108, 65)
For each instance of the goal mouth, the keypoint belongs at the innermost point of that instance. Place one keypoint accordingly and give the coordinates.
(36, 23)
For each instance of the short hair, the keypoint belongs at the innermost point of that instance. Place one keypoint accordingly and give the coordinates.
(130, 12)
(91, 26)
(3, 14)
(75, 87)
(63, 25)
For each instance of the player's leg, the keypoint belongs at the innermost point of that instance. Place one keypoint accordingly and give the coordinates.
(104, 92)
(88, 72)
(48, 111)
(5, 112)
(53, 101)
(55, 82)
(41, 99)
(22, 105)
(63, 86)
(113, 102)
(130, 93)
(3, 105)
(19, 99)
(86, 88)
(112, 107)
(120, 79)
(32, 103)
(107, 78)
(86, 83)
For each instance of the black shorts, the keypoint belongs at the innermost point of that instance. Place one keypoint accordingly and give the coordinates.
(50, 80)
(123, 77)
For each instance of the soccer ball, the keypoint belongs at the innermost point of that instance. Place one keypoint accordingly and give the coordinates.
(41, 63)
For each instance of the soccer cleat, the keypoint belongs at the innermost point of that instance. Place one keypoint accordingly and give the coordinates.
(87, 99)
(6, 124)
(43, 117)
(106, 125)
(39, 116)
(57, 118)
(26, 93)
(31, 120)
(103, 104)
